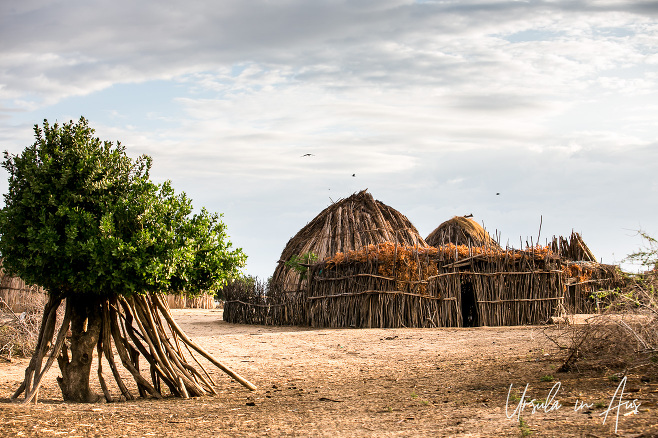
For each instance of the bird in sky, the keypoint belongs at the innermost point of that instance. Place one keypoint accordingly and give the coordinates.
(308, 155)
(497, 194)
(468, 215)
(354, 174)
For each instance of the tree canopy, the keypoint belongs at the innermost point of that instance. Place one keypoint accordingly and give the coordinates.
(82, 217)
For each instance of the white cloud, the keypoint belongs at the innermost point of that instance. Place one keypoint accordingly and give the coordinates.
(432, 104)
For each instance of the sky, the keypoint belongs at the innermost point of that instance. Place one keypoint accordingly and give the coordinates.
(537, 117)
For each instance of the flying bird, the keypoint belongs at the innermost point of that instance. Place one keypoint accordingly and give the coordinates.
(497, 194)
(468, 215)
(354, 174)
(307, 155)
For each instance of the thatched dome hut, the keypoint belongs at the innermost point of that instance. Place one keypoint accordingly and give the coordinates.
(461, 230)
(348, 224)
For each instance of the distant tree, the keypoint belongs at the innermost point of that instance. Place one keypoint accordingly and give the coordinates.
(84, 220)
(647, 255)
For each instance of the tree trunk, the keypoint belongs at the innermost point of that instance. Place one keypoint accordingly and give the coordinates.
(86, 324)
(160, 345)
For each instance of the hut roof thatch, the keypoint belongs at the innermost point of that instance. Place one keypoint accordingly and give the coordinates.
(461, 231)
(348, 224)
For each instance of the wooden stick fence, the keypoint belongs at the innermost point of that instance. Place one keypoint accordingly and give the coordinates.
(204, 301)
(391, 285)
(21, 297)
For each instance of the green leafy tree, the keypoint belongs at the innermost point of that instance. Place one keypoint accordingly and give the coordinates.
(84, 220)
(300, 263)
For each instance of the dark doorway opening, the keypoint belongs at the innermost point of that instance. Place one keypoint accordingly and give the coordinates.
(470, 317)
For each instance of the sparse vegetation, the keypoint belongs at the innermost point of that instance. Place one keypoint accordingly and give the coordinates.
(625, 335)
(18, 332)
(242, 286)
(647, 255)
(524, 428)
(515, 397)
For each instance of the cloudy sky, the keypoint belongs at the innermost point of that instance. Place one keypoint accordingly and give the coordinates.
(434, 106)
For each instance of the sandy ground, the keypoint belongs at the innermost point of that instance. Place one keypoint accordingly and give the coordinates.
(359, 382)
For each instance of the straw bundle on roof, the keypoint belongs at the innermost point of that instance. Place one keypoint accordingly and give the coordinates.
(572, 248)
(349, 224)
(461, 231)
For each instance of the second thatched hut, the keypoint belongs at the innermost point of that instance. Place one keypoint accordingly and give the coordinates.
(461, 230)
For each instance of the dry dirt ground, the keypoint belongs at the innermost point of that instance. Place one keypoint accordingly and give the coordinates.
(359, 382)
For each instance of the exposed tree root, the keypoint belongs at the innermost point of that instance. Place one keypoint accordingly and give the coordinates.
(141, 330)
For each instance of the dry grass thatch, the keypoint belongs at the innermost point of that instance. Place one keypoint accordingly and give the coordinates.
(348, 224)
(461, 231)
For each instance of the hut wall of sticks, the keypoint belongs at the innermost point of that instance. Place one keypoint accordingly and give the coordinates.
(448, 286)
(248, 303)
(388, 285)
(383, 285)
(376, 271)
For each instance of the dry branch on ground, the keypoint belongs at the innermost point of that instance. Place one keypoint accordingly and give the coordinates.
(623, 337)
